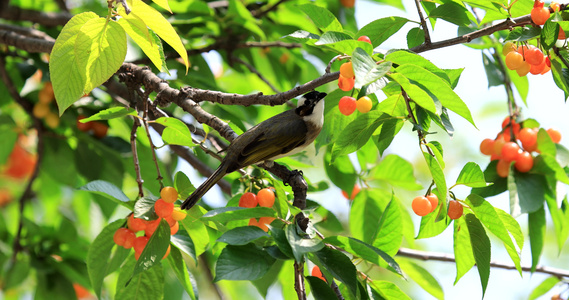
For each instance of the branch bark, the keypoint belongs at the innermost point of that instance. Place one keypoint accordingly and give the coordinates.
(437, 256)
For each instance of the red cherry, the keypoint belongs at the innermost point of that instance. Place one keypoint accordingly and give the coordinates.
(364, 38)
(347, 105)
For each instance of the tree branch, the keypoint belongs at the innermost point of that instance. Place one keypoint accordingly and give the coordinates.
(254, 71)
(26, 43)
(50, 19)
(467, 38)
(423, 22)
(424, 255)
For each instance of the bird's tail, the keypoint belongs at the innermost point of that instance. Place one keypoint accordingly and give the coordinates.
(204, 187)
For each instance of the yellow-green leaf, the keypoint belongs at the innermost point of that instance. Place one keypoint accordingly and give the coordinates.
(65, 73)
(100, 48)
(147, 40)
(156, 21)
(164, 4)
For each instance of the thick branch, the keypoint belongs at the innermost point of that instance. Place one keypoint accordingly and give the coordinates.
(51, 19)
(424, 255)
(20, 41)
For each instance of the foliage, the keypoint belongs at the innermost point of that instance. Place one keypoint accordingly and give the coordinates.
(84, 183)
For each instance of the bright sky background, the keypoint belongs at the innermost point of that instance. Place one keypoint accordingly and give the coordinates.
(488, 106)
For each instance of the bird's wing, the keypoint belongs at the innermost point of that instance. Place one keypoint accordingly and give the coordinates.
(265, 146)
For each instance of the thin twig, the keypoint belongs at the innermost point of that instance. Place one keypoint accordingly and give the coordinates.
(336, 290)
(415, 122)
(467, 38)
(299, 281)
(139, 179)
(144, 98)
(260, 13)
(256, 72)
(437, 256)
(335, 58)
(268, 44)
(423, 22)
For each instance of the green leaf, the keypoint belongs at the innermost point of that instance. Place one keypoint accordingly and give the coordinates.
(560, 76)
(99, 253)
(520, 34)
(144, 208)
(560, 217)
(390, 232)
(175, 132)
(65, 73)
(184, 242)
(419, 96)
(154, 251)
(342, 43)
(365, 68)
(319, 289)
(437, 88)
(423, 278)
(494, 72)
(415, 37)
(380, 30)
(100, 48)
(536, 232)
(402, 57)
(544, 287)
(487, 214)
(438, 175)
(388, 290)
(430, 227)
(389, 130)
(148, 285)
(471, 175)
(341, 172)
(110, 113)
(108, 190)
(451, 12)
(549, 34)
(183, 185)
(480, 247)
(366, 212)
(185, 278)
(363, 250)
(147, 40)
(242, 263)
(340, 266)
(156, 21)
(300, 245)
(463, 255)
(358, 132)
(531, 189)
(226, 214)
(396, 171)
(322, 18)
(242, 235)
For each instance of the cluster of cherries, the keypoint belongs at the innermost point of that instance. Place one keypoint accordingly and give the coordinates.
(424, 205)
(346, 83)
(164, 208)
(99, 129)
(527, 58)
(42, 109)
(505, 147)
(265, 198)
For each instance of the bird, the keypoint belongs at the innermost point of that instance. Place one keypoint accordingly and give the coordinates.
(281, 135)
